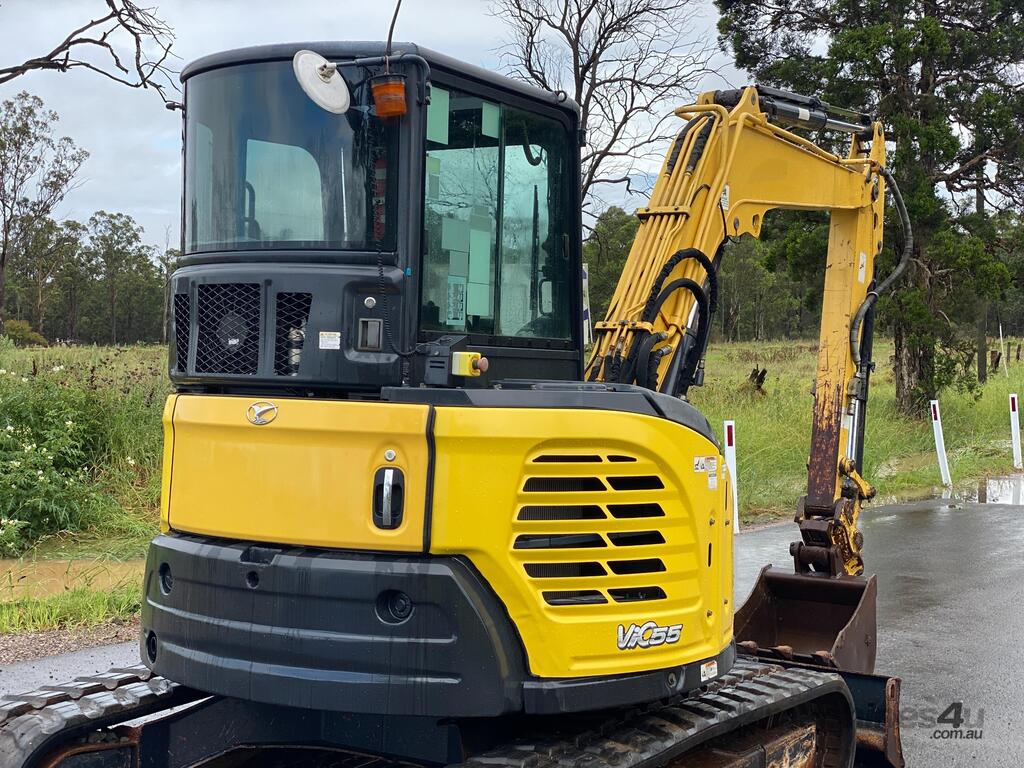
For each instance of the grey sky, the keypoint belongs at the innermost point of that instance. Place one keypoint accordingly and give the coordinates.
(134, 143)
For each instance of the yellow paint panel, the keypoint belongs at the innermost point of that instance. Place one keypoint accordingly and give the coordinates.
(165, 482)
(305, 478)
(501, 472)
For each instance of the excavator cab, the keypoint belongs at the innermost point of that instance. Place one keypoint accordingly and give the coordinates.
(326, 240)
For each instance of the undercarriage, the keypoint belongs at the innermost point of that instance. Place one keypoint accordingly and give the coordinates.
(760, 714)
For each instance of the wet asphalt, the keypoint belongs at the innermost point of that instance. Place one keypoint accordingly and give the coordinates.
(950, 613)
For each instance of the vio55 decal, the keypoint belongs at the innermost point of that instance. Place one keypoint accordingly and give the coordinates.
(648, 635)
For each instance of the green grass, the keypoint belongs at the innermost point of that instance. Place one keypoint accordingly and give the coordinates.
(82, 607)
(773, 429)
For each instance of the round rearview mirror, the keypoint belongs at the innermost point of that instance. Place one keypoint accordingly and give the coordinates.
(321, 81)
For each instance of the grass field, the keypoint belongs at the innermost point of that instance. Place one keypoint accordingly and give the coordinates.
(773, 429)
(100, 499)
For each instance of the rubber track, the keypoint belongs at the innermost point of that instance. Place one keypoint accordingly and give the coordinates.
(29, 721)
(659, 733)
(638, 737)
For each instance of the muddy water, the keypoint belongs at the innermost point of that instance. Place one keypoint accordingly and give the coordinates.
(39, 578)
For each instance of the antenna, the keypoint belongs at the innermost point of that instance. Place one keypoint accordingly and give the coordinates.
(391, 31)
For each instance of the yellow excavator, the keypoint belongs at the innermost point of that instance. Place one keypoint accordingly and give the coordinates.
(404, 521)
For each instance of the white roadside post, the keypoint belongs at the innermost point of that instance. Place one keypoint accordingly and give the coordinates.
(730, 462)
(940, 444)
(1015, 431)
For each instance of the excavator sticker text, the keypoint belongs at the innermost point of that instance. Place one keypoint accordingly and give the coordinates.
(648, 635)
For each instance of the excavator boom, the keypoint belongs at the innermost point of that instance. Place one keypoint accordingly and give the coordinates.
(728, 167)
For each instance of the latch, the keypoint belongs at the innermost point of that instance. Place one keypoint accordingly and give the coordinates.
(388, 498)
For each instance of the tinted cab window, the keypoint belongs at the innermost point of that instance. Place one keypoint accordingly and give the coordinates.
(496, 221)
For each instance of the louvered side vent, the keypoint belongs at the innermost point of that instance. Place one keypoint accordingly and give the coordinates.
(228, 319)
(182, 311)
(290, 336)
(588, 529)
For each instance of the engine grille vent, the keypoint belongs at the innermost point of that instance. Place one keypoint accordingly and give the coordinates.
(575, 597)
(292, 316)
(562, 512)
(228, 316)
(586, 520)
(182, 318)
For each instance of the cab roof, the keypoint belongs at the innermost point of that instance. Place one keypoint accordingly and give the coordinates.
(354, 49)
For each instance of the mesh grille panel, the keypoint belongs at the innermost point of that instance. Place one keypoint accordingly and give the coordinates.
(562, 512)
(182, 309)
(292, 316)
(228, 316)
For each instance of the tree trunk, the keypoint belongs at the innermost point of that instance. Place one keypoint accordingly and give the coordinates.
(981, 339)
(113, 317)
(906, 370)
(73, 315)
(40, 309)
(164, 319)
(982, 328)
(3, 295)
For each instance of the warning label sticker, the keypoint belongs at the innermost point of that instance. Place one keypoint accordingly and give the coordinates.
(709, 465)
(708, 671)
(705, 463)
(330, 339)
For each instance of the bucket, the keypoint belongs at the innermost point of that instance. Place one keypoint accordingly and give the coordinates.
(813, 619)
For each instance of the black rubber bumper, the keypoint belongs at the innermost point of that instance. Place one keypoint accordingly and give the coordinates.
(325, 630)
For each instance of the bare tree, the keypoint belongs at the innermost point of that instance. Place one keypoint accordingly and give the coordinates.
(36, 172)
(134, 30)
(627, 63)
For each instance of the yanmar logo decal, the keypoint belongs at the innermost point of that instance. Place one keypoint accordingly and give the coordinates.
(648, 635)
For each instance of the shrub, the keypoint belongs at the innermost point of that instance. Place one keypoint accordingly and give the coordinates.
(21, 333)
(51, 438)
(12, 541)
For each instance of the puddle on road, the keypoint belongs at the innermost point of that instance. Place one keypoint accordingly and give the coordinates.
(39, 578)
(995, 490)
(992, 490)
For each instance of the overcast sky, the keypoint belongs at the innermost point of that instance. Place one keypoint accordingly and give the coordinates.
(134, 143)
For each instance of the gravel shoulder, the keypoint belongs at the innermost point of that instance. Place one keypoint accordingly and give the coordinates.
(20, 647)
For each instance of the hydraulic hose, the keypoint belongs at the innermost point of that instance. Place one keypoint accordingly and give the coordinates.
(643, 360)
(901, 266)
(676, 367)
(677, 145)
(650, 310)
(642, 345)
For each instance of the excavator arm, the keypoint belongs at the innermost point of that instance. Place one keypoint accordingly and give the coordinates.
(732, 163)
(729, 166)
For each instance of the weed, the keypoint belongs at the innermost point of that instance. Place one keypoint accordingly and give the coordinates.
(81, 607)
